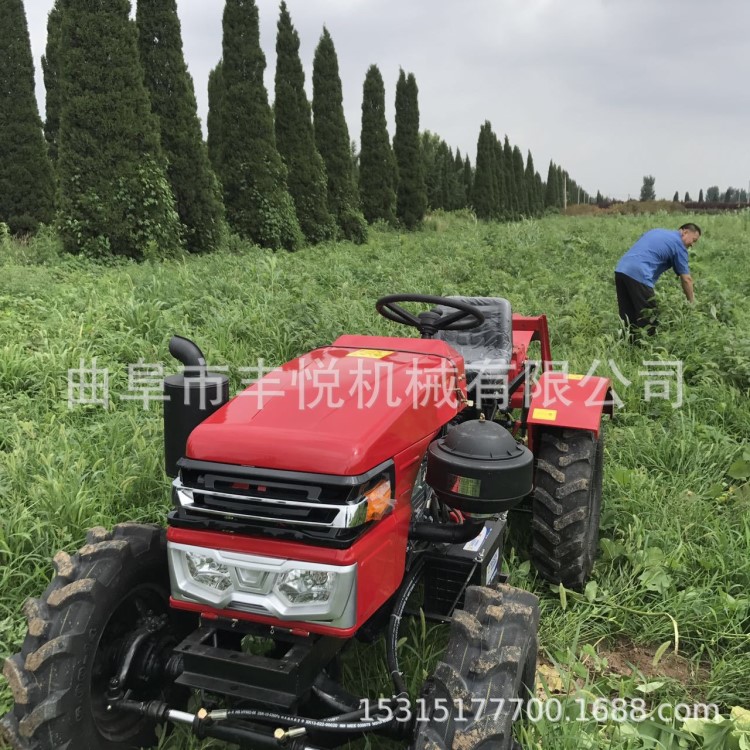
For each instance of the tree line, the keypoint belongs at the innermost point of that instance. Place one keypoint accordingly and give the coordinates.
(714, 194)
(121, 167)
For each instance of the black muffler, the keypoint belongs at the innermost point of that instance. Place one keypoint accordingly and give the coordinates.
(189, 398)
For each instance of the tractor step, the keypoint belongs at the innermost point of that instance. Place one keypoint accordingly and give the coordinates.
(276, 682)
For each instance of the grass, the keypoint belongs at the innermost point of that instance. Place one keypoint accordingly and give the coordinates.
(674, 565)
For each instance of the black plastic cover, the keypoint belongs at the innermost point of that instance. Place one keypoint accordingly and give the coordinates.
(188, 401)
(480, 468)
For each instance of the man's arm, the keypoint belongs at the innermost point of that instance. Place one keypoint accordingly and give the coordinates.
(687, 286)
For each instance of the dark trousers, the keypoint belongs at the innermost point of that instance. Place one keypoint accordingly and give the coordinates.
(637, 304)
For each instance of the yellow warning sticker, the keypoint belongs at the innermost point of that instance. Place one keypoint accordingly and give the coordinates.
(369, 354)
(576, 377)
(547, 415)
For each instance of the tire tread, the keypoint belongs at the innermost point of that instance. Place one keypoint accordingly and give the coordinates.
(565, 504)
(498, 665)
(57, 631)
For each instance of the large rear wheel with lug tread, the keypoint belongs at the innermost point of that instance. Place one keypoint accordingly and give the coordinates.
(566, 505)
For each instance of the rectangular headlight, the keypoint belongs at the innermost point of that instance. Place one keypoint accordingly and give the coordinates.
(306, 586)
(206, 571)
(271, 586)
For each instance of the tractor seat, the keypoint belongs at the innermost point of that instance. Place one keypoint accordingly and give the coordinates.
(487, 349)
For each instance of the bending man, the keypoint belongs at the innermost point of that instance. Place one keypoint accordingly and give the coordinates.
(641, 266)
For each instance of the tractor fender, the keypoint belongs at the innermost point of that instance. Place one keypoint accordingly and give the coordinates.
(560, 400)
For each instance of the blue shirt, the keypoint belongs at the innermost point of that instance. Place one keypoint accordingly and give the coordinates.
(654, 253)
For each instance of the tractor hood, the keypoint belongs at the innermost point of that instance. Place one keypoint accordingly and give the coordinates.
(340, 410)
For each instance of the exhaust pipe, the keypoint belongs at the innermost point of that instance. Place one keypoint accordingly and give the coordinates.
(186, 351)
(189, 398)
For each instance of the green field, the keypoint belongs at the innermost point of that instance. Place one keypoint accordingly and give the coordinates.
(673, 573)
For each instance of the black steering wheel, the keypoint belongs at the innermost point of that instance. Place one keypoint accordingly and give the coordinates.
(430, 322)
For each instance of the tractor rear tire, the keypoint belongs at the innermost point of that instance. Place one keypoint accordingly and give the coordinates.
(490, 660)
(74, 641)
(566, 506)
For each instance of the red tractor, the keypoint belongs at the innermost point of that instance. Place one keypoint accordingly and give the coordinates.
(310, 510)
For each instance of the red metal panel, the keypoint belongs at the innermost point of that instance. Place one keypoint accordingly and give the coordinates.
(572, 401)
(537, 326)
(339, 410)
(525, 331)
(418, 346)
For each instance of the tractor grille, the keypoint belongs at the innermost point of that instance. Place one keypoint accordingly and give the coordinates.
(271, 497)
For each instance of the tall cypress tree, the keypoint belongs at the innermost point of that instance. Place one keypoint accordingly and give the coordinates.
(194, 184)
(429, 145)
(530, 180)
(484, 192)
(468, 178)
(333, 144)
(377, 165)
(447, 178)
(51, 69)
(114, 193)
(539, 191)
(459, 199)
(522, 192)
(27, 189)
(295, 140)
(213, 121)
(514, 205)
(551, 196)
(562, 187)
(412, 194)
(253, 174)
(504, 199)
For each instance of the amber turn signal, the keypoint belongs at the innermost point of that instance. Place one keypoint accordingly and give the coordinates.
(380, 500)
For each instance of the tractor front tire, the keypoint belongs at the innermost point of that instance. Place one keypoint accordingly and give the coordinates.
(566, 506)
(486, 674)
(76, 632)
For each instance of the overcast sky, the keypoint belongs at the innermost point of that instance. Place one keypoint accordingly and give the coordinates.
(610, 89)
